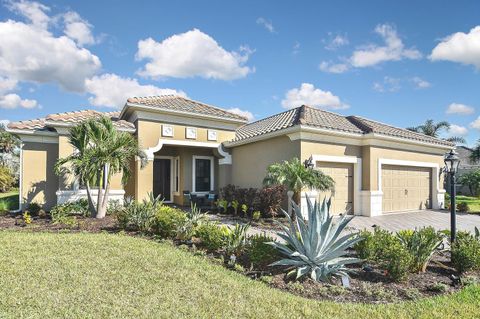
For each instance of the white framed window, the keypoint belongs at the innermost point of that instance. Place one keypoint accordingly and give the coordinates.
(167, 130)
(176, 175)
(202, 174)
(212, 135)
(191, 132)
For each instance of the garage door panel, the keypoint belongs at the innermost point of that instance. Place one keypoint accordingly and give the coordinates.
(406, 188)
(342, 195)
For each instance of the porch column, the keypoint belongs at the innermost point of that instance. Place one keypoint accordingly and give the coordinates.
(225, 167)
(144, 176)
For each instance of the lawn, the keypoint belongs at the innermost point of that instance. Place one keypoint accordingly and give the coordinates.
(84, 275)
(473, 202)
(9, 201)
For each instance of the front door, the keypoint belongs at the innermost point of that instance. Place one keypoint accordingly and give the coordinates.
(162, 181)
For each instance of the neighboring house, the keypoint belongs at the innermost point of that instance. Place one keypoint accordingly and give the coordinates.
(465, 166)
(195, 147)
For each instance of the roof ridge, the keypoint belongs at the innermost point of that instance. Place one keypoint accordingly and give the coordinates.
(212, 106)
(269, 117)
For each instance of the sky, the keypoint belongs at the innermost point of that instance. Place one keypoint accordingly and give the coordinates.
(399, 62)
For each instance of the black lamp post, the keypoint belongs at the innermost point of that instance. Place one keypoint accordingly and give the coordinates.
(308, 163)
(451, 166)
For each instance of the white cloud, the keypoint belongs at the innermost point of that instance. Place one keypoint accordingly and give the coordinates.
(330, 67)
(29, 53)
(307, 94)
(78, 29)
(457, 130)
(190, 54)
(372, 54)
(13, 101)
(459, 47)
(267, 24)
(335, 41)
(296, 48)
(458, 108)
(389, 84)
(393, 50)
(7, 85)
(249, 115)
(421, 83)
(476, 124)
(33, 11)
(112, 90)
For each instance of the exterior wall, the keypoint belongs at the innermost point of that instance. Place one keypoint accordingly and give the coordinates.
(39, 182)
(317, 148)
(149, 134)
(250, 161)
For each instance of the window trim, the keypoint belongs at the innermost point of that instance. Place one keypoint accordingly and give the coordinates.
(176, 175)
(212, 173)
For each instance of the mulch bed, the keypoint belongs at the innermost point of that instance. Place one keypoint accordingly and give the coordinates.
(367, 284)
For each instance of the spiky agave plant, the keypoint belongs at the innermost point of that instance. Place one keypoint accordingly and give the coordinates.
(314, 246)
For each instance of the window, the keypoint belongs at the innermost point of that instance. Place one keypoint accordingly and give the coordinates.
(202, 174)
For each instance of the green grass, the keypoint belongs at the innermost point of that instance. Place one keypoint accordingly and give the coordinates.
(9, 201)
(83, 275)
(473, 202)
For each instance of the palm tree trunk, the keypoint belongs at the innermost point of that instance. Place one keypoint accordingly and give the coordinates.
(100, 193)
(103, 211)
(91, 206)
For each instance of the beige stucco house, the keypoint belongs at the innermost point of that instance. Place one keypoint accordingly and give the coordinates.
(195, 147)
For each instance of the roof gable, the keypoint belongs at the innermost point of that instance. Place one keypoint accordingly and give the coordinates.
(177, 103)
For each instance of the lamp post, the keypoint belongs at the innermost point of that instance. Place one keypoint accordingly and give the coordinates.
(451, 166)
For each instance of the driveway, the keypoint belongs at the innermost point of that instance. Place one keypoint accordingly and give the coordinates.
(439, 219)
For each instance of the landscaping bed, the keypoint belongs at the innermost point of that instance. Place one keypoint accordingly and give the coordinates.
(368, 282)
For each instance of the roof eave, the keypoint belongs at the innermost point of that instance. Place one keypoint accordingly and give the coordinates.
(68, 125)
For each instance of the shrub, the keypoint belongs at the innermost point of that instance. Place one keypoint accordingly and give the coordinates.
(256, 215)
(266, 200)
(79, 207)
(463, 207)
(139, 215)
(373, 245)
(466, 252)
(236, 240)
(211, 235)
(193, 218)
(314, 247)
(34, 208)
(168, 221)
(422, 245)
(27, 219)
(259, 252)
(365, 248)
(6, 179)
(396, 260)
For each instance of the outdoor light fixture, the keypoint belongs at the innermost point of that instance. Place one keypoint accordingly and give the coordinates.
(309, 162)
(451, 166)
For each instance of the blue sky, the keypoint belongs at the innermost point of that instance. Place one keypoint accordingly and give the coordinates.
(399, 63)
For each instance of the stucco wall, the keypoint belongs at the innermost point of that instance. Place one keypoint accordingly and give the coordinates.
(39, 182)
(370, 167)
(250, 161)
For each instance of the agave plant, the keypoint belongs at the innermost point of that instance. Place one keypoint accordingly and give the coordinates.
(236, 240)
(314, 246)
(193, 218)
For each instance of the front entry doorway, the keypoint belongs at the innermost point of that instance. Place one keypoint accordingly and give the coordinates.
(162, 179)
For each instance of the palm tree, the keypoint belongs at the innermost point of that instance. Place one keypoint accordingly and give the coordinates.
(100, 152)
(433, 129)
(296, 177)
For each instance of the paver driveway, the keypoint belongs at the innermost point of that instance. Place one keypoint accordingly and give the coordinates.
(439, 219)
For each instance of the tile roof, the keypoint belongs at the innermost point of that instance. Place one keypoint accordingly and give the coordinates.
(313, 117)
(179, 103)
(69, 118)
(370, 126)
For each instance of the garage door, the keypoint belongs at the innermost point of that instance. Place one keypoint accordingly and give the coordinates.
(406, 188)
(342, 195)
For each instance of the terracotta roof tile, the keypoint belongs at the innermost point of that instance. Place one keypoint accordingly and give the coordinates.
(309, 116)
(179, 103)
(69, 118)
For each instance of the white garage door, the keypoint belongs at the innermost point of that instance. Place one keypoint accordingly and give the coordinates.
(342, 195)
(406, 188)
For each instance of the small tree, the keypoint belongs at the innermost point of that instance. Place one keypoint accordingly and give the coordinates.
(471, 180)
(296, 177)
(100, 151)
